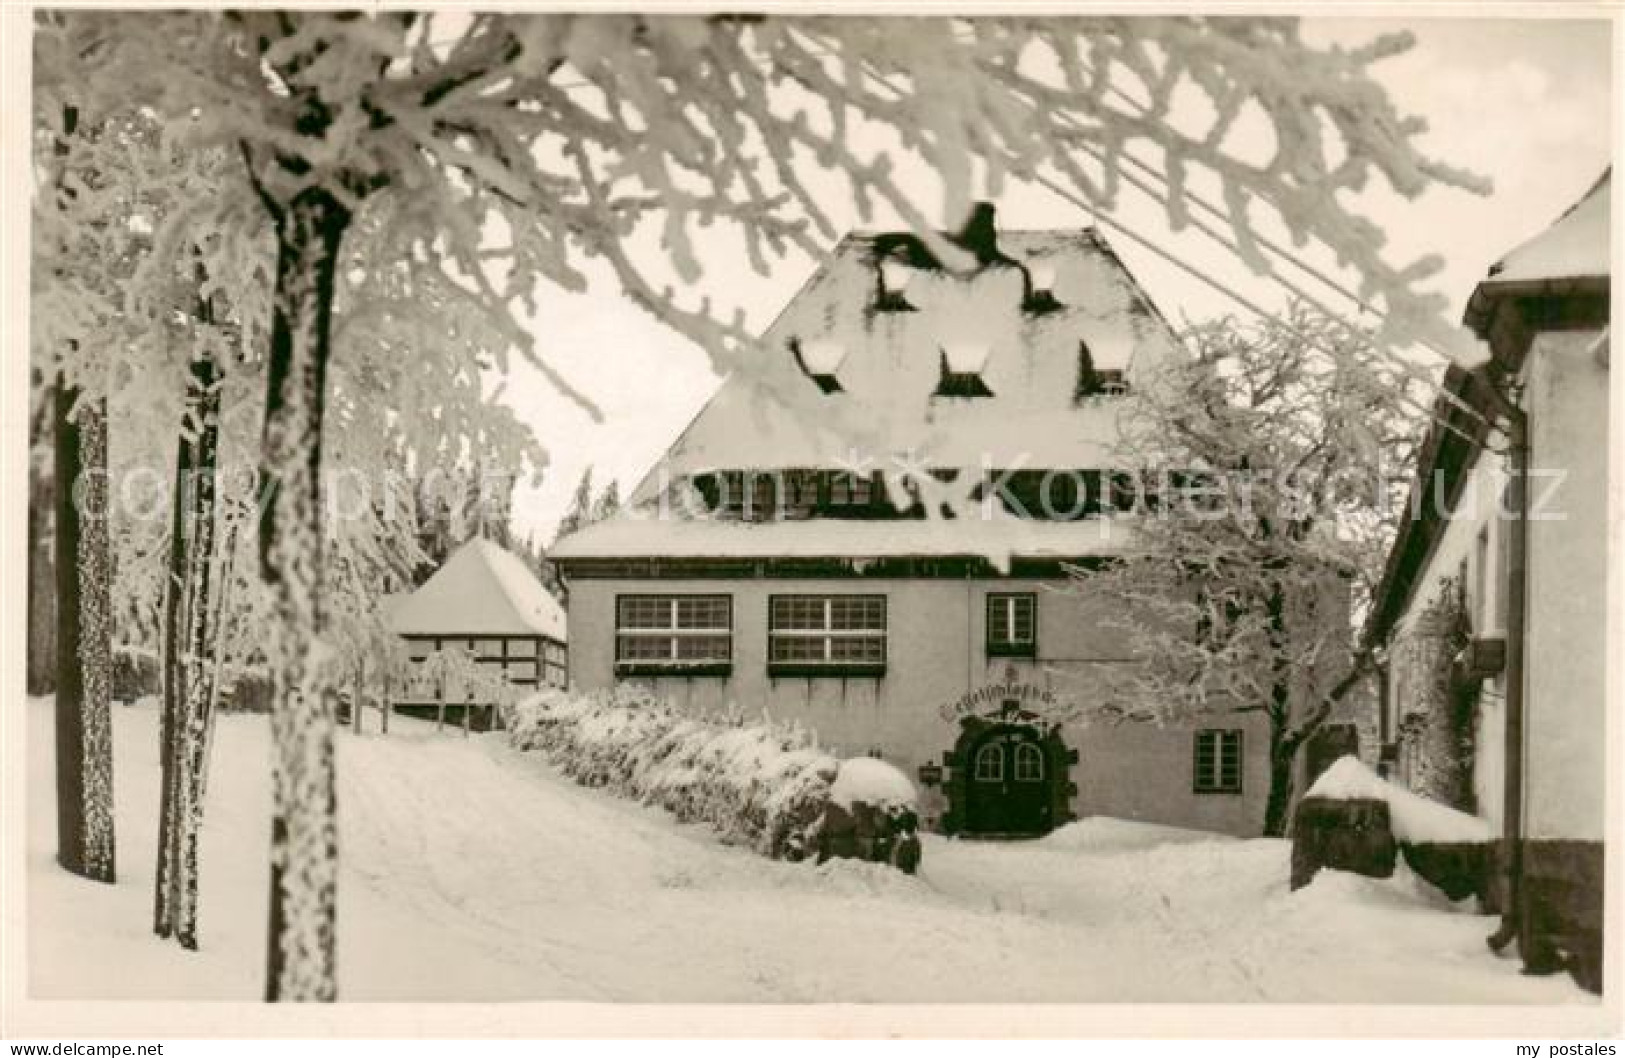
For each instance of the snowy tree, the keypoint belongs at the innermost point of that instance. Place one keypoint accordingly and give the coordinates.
(584, 510)
(1263, 527)
(176, 330)
(136, 254)
(607, 503)
(84, 575)
(514, 148)
(579, 513)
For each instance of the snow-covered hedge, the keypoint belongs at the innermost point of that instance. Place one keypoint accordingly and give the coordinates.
(762, 784)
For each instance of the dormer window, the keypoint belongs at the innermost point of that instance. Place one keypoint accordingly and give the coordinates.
(1096, 382)
(960, 371)
(893, 276)
(850, 489)
(1040, 296)
(819, 359)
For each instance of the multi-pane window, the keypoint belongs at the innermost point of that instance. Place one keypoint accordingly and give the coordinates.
(834, 634)
(522, 660)
(1029, 763)
(849, 489)
(677, 633)
(800, 493)
(989, 766)
(553, 666)
(1012, 625)
(1218, 761)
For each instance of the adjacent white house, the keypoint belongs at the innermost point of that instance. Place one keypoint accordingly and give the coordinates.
(765, 564)
(485, 601)
(1494, 610)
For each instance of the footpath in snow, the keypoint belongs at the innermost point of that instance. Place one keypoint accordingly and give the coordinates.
(472, 872)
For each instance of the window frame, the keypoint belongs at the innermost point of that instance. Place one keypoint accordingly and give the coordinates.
(1009, 648)
(1026, 752)
(672, 665)
(830, 666)
(990, 750)
(1213, 780)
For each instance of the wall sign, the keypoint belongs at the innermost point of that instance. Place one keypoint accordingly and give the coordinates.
(1010, 697)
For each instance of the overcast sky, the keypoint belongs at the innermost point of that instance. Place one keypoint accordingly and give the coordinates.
(1523, 102)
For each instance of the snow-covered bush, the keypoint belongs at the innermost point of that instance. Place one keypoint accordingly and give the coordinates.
(873, 815)
(760, 784)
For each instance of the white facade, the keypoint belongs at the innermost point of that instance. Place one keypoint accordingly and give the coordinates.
(892, 363)
(1544, 312)
(937, 654)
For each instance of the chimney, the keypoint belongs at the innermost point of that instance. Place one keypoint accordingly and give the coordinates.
(980, 235)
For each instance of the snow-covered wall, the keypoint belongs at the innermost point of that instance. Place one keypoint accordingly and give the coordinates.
(1470, 550)
(1566, 397)
(936, 654)
(1567, 400)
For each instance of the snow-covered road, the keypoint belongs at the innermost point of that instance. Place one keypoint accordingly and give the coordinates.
(473, 872)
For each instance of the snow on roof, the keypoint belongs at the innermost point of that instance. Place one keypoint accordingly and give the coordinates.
(1414, 818)
(1576, 246)
(889, 365)
(482, 589)
(632, 534)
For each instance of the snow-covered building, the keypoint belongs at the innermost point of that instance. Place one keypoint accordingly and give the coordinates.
(1513, 727)
(810, 585)
(486, 601)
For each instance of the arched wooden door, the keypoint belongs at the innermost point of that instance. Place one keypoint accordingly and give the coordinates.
(1008, 789)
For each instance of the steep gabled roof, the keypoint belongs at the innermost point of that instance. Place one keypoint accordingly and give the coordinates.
(842, 360)
(482, 590)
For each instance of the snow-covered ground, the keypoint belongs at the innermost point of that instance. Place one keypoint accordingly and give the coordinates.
(474, 872)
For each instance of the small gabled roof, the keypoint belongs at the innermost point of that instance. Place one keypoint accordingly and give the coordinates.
(1571, 256)
(482, 590)
(1569, 259)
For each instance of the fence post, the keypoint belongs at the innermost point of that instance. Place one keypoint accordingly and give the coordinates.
(468, 710)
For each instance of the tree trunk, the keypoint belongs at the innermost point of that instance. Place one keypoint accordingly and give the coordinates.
(195, 715)
(1282, 749)
(41, 673)
(163, 915)
(301, 946)
(1283, 754)
(84, 737)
